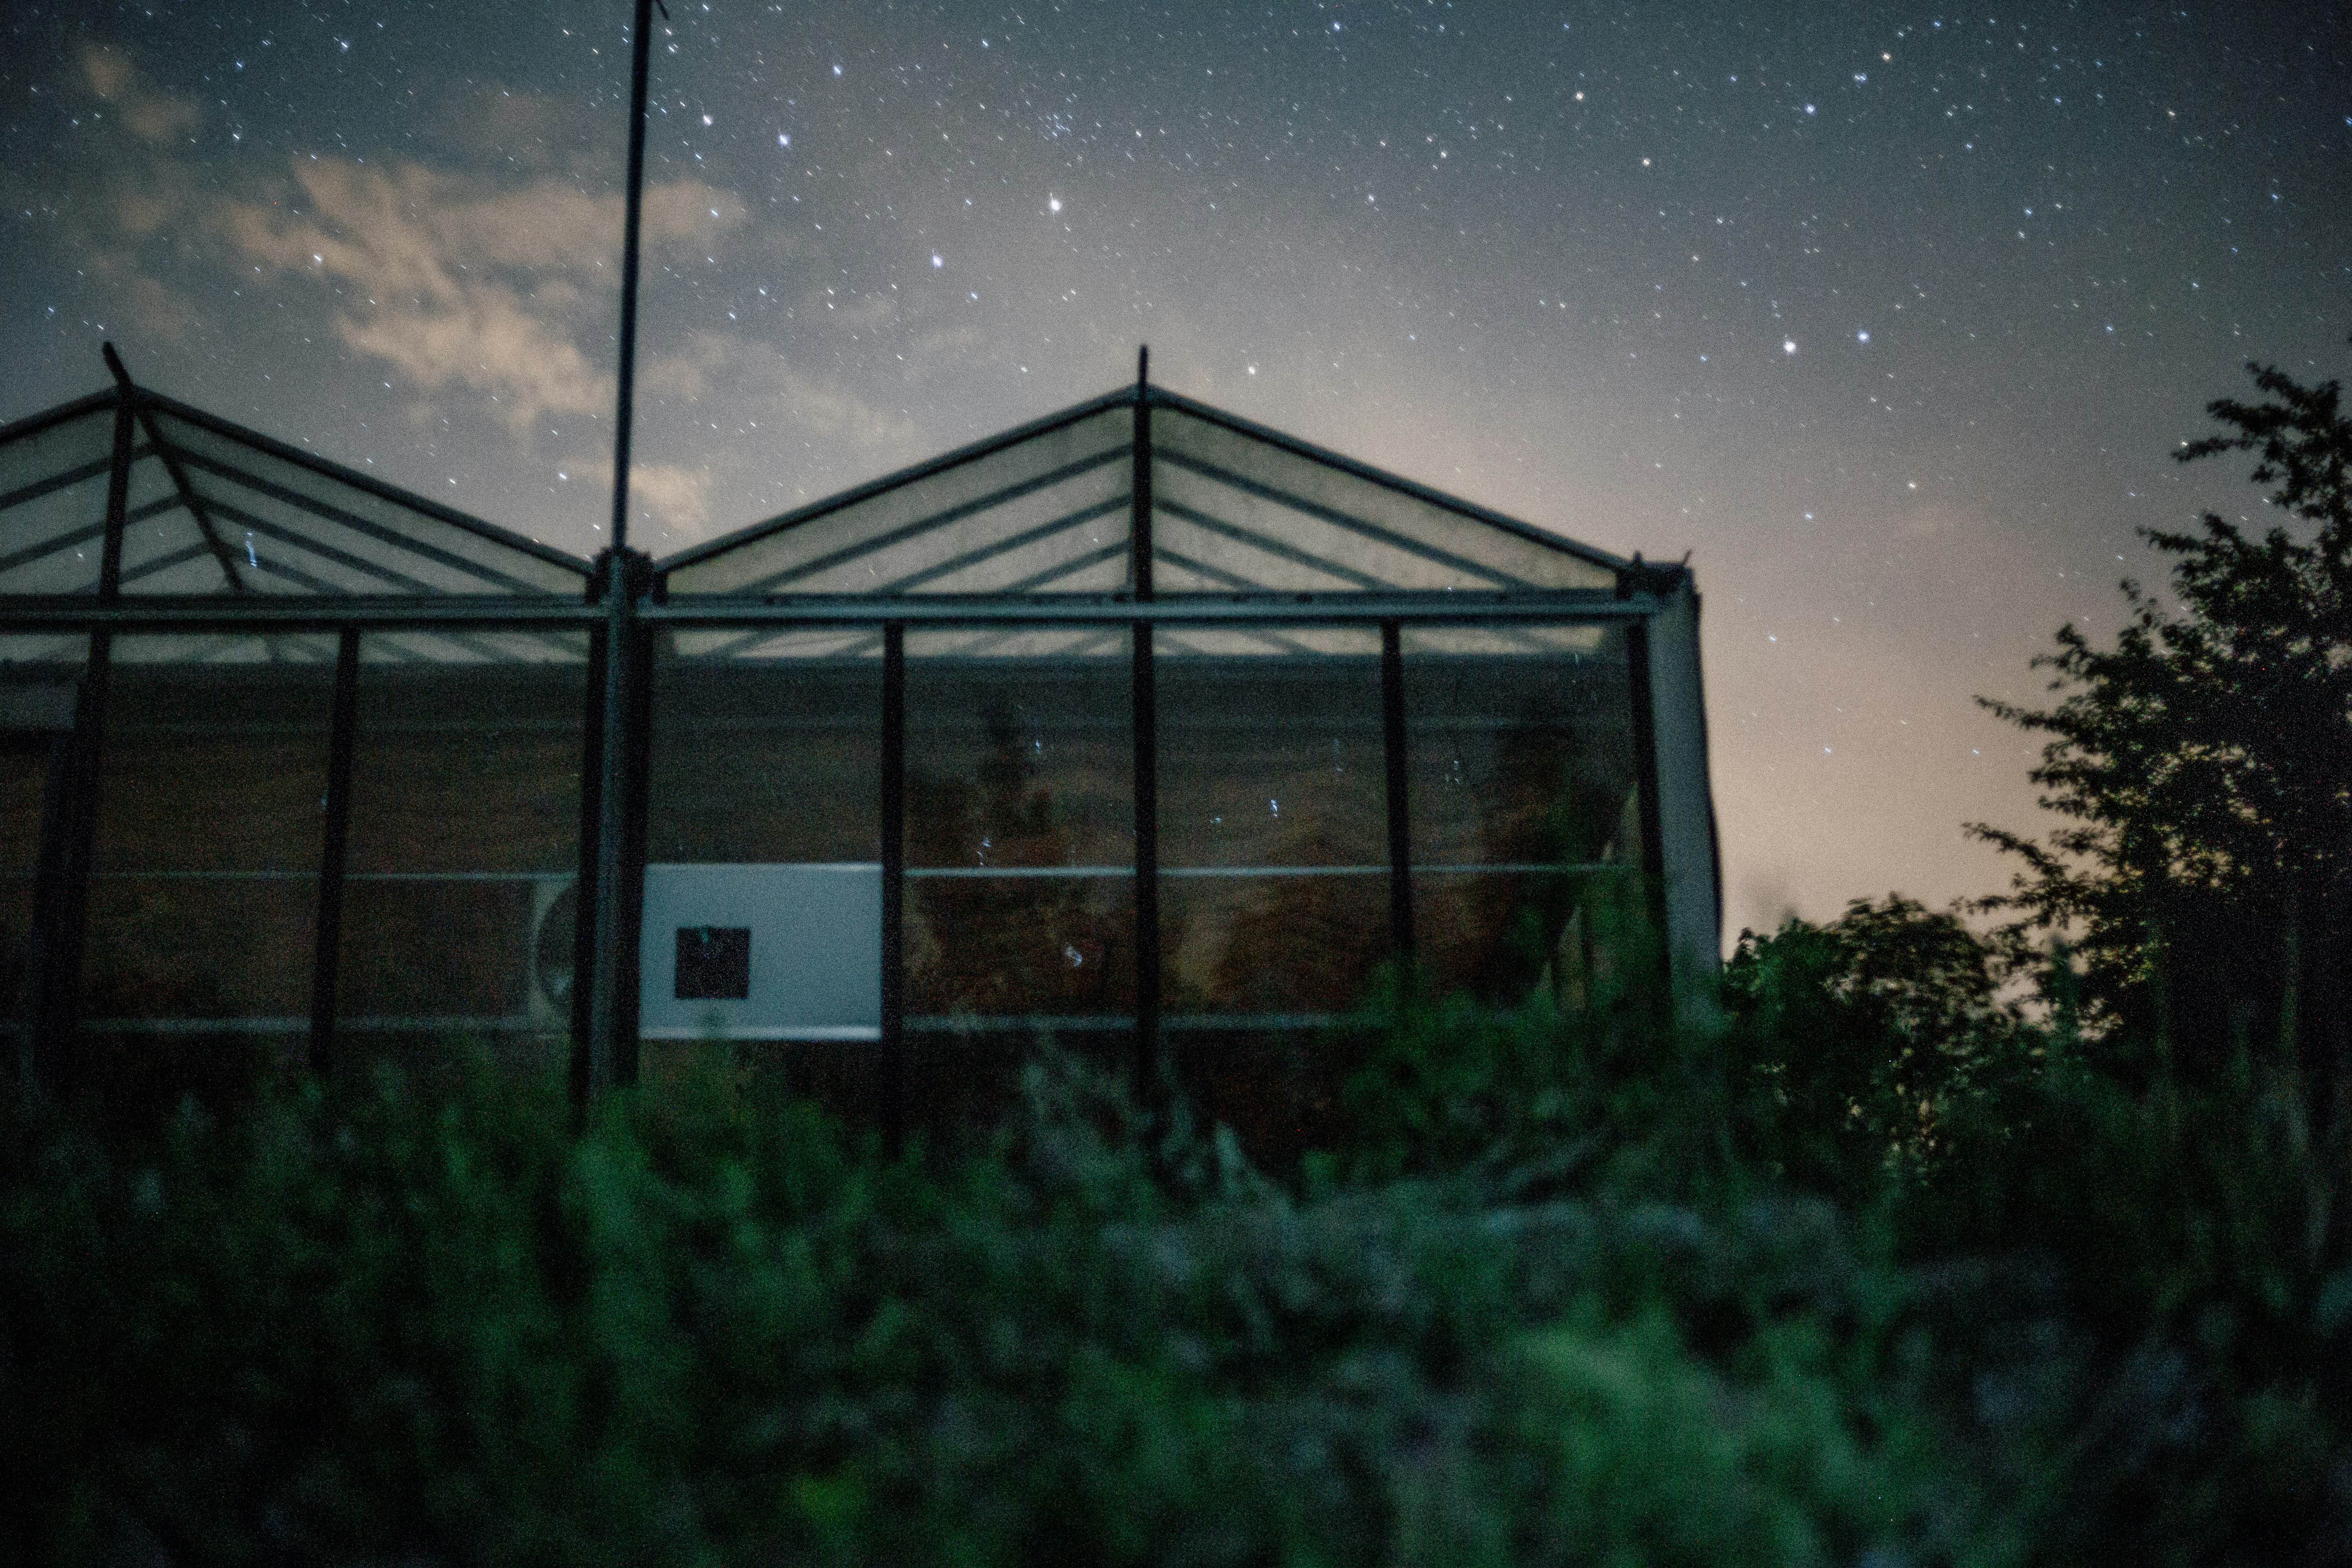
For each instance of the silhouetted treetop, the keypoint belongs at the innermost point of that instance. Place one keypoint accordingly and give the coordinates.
(2203, 767)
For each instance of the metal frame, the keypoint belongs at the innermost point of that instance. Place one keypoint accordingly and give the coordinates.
(625, 600)
(327, 953)
(893, 881)
(1392, 750)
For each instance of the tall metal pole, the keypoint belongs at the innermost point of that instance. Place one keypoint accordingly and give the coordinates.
(618, 889)
(640, 62)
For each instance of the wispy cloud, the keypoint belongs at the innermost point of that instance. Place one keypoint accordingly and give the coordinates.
(151, 115)
(672, 498)
(457, 282)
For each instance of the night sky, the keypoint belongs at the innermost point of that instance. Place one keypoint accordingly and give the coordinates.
(1889, 317)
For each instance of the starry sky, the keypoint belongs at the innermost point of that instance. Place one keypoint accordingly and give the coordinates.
(1889, 316)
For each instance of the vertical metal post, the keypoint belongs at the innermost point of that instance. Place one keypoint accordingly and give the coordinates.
(118, 492)
(327, 956)
(894, 883)
(57, 792)
(611, 899)
(1146, 696)
(61, 891)
(1138, 523)
(584, 888)
(619, 891)
(1147, 862)
(1645, 772)
(1392, 745)
(640, 44)
(64, 924)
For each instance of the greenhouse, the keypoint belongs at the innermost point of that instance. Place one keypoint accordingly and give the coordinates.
(1141, 727)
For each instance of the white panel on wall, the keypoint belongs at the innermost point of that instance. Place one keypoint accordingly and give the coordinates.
(763, 953)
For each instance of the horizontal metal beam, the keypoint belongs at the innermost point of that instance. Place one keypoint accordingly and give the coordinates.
(1107, 1023)
(995, 873)
(258, 612)
(293, 612)
(1081, 609)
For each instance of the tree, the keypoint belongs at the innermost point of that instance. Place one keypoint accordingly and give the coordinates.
(2204, 768)
(1868, 1037)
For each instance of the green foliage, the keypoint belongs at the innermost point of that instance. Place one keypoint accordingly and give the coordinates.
(373, 1321)
(2147, 1294)
(1867, 1037)
(1546, 1070)
(1643, 1453)
(1531, 1099)
(1570, 1314)
(2201, 765)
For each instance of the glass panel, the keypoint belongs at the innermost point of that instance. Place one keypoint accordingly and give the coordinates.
(281, 548)
(167, 553)
(203, 889)
(40, 660)
(1020, 836)
(53, 526)
(1586, 936)
(1056, 950)
(25, 767)
(343, 536)
(1271, 761)
(1234, 510)
(1295, 947)
(33, 454)
(53, 482)
(1520, 746)
(1270, 747)
(1047, 514)
(39, 678)
(464, 836)
(764, 838)
(767, 748)
(1525, 809)
(39, 675)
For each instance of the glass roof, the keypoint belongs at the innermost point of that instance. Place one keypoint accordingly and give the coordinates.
(1237, 508)
(216, 509)
(1041, 510)
(1045, 509)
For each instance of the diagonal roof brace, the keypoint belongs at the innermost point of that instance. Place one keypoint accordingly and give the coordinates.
(172, 466)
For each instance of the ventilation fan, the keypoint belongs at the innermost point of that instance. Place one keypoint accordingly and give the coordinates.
(555, 918)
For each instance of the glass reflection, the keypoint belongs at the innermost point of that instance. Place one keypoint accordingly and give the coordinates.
(1020, 838)
(1273, 820)
(464, 835)
(204, 889)
(1524, 808)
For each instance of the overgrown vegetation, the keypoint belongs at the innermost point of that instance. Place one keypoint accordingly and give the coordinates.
(1941, 1249)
